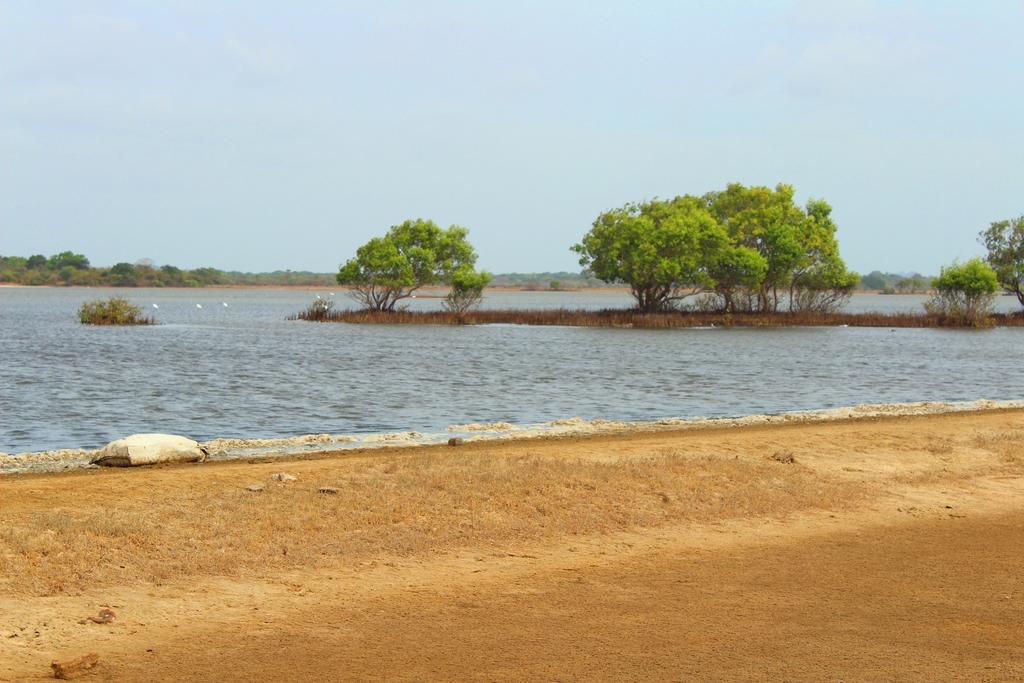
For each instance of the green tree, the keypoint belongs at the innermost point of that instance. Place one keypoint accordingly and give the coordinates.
(171, 275)
(67, 258)
(14, 262)
(466, 289)
(825, 286)
(820, 281)
(1005, 243)
(965, 292)
(411, 255)
(36, 262)
(912, 283)
(736, 271)
(874, 280)
(661, 249)
(124, 275)
(797, 244)
(767, 221)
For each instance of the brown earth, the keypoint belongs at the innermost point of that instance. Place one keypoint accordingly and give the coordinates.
(888, 549)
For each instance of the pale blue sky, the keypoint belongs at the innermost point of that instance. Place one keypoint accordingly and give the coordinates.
(261, 135)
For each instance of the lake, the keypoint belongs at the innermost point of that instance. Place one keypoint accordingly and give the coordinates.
(237, 368)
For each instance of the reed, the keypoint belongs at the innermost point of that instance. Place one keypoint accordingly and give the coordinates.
(635, 319)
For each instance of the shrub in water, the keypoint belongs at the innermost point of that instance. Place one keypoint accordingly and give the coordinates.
(113, 311)
(965, 292)
(319, 311)
(467, 289)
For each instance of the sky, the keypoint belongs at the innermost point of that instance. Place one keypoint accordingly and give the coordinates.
(259, 136)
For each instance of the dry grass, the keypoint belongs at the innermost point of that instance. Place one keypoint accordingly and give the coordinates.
(628, 318)
(386, 508)
(1008, 445)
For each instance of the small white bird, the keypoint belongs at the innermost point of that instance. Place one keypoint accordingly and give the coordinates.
(225, 304)
(332, 293)
(155, 306)
(317, 296)
(199, 305)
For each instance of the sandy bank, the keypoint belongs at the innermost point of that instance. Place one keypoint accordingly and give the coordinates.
(860, 549)
(235, 448)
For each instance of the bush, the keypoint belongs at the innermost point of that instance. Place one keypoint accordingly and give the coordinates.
(965, 293)
(113, 311)
(467, 289)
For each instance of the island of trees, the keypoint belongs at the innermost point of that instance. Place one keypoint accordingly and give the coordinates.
(742, 255)
(714, 258)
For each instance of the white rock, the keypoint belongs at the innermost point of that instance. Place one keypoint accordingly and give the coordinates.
(149, 449)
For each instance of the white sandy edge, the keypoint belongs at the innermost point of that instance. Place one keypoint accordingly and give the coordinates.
(223, 449)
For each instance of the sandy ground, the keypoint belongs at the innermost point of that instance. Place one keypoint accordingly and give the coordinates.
(888, 549)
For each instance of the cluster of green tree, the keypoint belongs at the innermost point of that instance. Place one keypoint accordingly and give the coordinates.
(743, 249)
(71, 269)
(895, 283)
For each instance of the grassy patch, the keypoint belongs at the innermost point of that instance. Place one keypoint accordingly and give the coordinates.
(400, 506)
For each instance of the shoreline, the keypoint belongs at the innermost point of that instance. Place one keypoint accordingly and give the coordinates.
(294, 447)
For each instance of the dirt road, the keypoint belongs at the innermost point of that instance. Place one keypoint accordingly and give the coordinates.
(887, 549)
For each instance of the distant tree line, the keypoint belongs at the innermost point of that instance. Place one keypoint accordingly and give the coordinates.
(71, 269)
(553, 281)
(895, 283)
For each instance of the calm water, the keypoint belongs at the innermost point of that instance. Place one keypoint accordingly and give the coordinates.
(241, 370)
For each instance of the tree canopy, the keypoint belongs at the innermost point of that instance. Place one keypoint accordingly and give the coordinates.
(411, 255)
(67, 259)
(659, 248)
(1005, 243)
